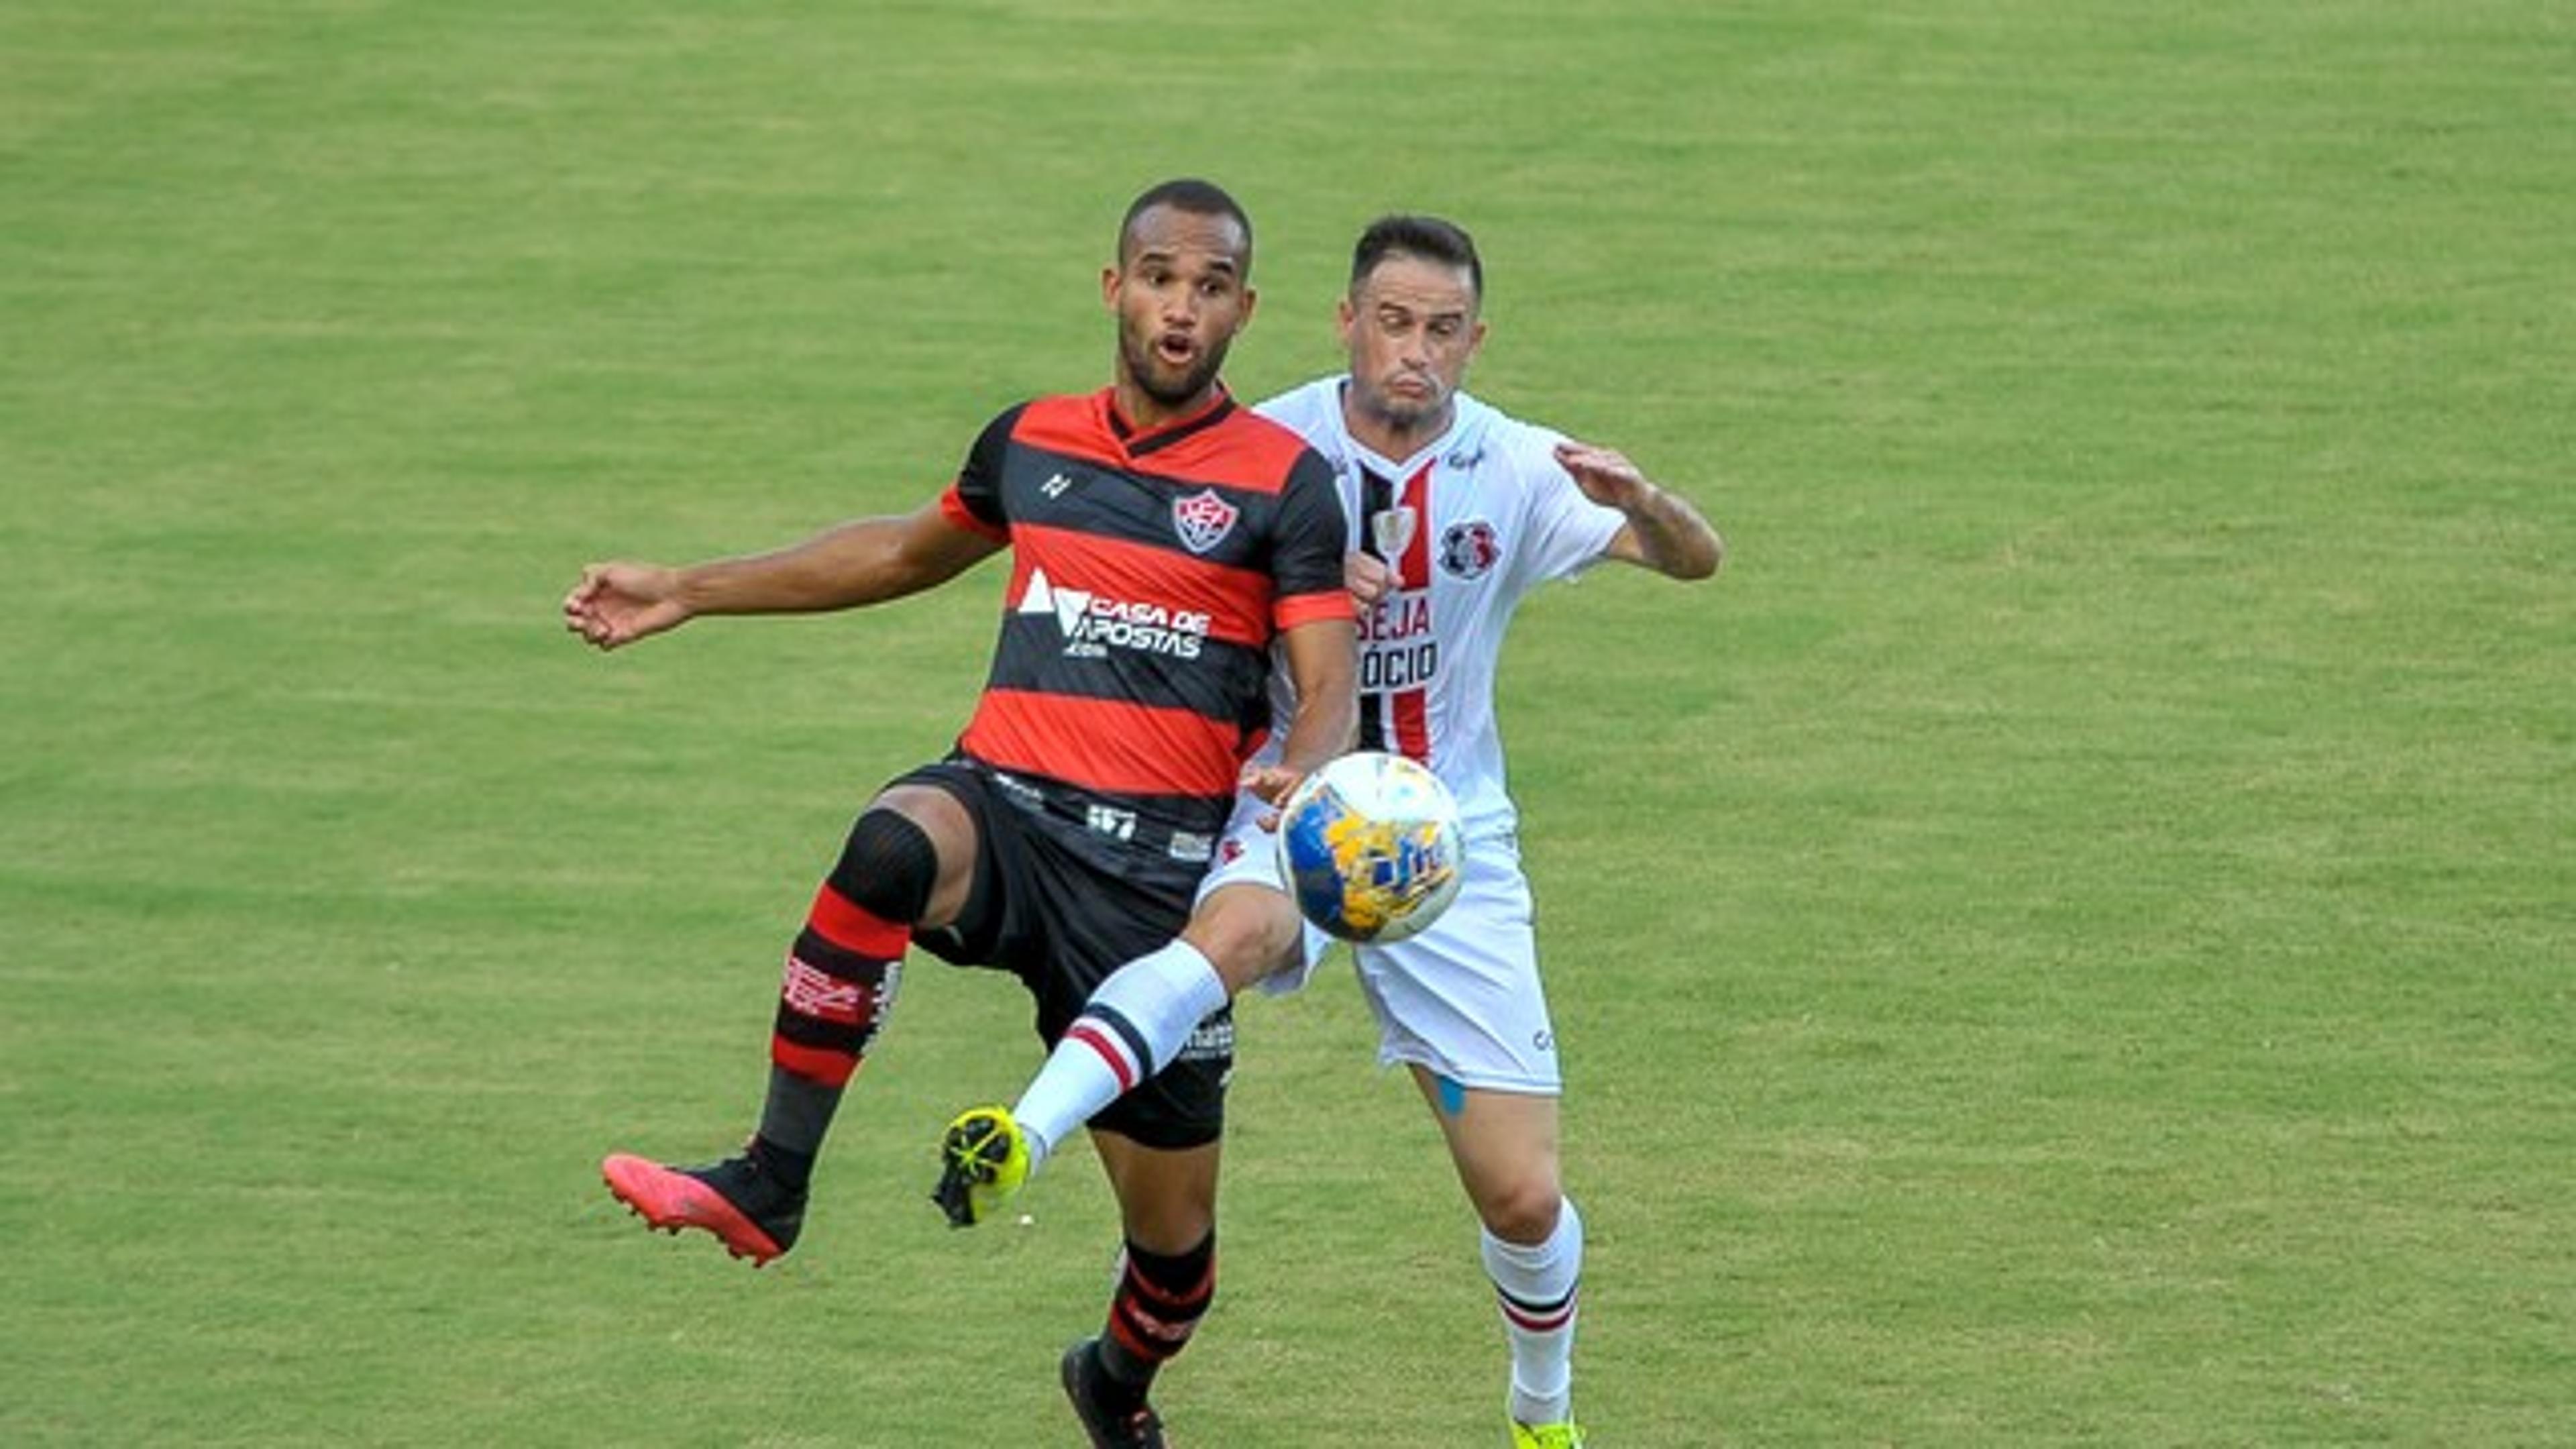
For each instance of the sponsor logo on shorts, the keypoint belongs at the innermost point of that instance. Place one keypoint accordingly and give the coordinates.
(1212, 1041)
(1111, 821)
(1190, 845)
(1019, 791)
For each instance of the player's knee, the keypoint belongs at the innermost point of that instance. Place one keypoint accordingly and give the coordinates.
(1170, 1228)
(888, 866)
(1166, 1199)
(1246, 933)
(1522, 1208)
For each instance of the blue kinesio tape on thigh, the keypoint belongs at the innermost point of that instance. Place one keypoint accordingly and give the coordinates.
(1453, 1097)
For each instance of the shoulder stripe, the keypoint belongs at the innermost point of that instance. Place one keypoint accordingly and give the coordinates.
(1296, 609)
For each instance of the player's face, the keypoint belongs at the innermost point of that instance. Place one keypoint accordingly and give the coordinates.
(1180, 295)
(1411, 329)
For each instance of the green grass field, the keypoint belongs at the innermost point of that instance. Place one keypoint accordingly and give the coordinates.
(2070, 941)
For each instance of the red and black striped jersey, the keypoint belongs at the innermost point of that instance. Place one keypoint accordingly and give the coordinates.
(1150, 573)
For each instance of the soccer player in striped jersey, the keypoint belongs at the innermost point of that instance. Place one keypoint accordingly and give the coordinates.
(1457, 512)
(1165, 544)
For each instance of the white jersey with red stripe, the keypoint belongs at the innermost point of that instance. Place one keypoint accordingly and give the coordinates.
(1470, 525)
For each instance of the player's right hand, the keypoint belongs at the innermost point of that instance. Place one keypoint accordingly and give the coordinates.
(619, 603)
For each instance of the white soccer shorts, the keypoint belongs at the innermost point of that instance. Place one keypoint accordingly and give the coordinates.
(1463, 998)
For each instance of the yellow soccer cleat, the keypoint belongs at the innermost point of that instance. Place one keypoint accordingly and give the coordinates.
(983, 1159)
(1546, 1436)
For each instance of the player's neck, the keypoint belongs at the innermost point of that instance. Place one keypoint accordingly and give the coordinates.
(1392, 441)
(1142, 412)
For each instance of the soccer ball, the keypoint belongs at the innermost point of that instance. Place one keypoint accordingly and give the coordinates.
(1371, 847)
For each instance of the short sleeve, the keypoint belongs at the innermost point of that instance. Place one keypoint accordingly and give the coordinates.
(1306, 557)
(975, 500)
(1566, 532)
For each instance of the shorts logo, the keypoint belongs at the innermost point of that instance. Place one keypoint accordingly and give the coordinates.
(1230, 851)
(1111, 821)
(1212, 1040)
(1203, 520)
(1468, 550)
(1020, 792)
(1189, 845)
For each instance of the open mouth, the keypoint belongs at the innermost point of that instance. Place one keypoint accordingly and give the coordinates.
(1175, 348)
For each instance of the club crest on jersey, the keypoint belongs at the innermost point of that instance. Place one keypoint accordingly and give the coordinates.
(1391, 529)
(1468, 549)
(1203, 520)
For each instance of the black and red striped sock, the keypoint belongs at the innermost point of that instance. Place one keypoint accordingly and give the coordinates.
(1159, 1302)
(839, 983)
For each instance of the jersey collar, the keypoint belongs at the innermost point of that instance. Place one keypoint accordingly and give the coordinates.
(1138, 444)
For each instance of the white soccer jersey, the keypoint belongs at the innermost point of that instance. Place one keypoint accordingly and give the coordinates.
(1470, 525)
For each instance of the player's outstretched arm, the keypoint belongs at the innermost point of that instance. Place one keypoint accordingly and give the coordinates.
(1323, 663)
(619, 603)
(866, 561)
(1664, 532)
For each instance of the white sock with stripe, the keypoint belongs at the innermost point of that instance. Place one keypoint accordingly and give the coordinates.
(1132, 1027)
(1537, 1286)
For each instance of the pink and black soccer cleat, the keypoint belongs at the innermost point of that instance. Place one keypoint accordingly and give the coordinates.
(749, 1211)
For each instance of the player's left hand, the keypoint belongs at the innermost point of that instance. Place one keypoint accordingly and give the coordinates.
(1272, 784)
(1604, 474)
(1367, 577)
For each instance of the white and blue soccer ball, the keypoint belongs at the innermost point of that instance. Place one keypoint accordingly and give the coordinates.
(1372, 847)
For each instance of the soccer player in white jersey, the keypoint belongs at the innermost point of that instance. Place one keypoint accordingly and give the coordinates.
(1458, 511)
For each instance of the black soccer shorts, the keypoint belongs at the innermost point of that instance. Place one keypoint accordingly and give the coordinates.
(1043, 907)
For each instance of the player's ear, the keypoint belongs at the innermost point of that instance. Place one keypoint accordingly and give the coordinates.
(1345, 313)
(1109, 287)
(1251, 299)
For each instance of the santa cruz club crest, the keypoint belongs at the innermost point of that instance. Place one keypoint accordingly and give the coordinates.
(1468, 549)
(1203, 520)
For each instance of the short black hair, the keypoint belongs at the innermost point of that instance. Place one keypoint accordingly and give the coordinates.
(1427, 237)
(1187, 193)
